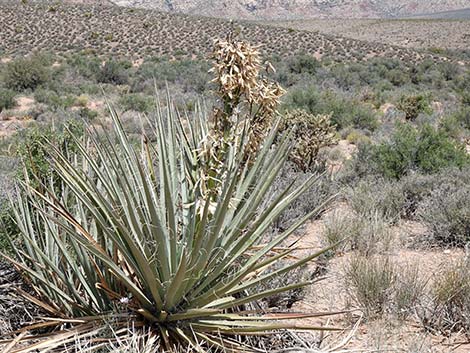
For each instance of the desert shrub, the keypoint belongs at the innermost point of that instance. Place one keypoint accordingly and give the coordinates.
(359, 166)
(344, 112)
(414, 105)
(81, 101)
(424, 149)
(7, 99)
(8, 228)
(415, 187)
(398, 77)
(189, 75)
(113, 72)
(377, 195)
(446, 212)
(22, 74)
(345, 76)
(357, 137)
(87, 114)
(465, 98)
(311, 133)
(448, 309)
(136, 102)
(408, 291)
(53, 99)
(370, 235)
(84, 65)
(303, 64)
(457, 124)
(338, 227)
(448, 70)
(32, 150)
(313, 198)
(347, 112)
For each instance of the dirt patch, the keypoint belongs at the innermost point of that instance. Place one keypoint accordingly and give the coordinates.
(96, 105)
(387, 333)
(24, 104)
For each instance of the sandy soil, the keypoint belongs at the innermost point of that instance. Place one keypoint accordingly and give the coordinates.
(386, 334)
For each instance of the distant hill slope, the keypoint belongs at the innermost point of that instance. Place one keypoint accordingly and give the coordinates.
(300, 9)
(436, 34)
(135, 33)
(463, 14)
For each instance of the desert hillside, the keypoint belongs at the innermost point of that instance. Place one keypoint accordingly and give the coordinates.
(448, 31)
(297, 9)
(136, 33)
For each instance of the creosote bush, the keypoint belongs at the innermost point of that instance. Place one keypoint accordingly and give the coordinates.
(166, 235)
(7, 99)
(26, 73)
(422, 149)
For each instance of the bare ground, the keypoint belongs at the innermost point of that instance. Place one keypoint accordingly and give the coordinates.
(386, 333)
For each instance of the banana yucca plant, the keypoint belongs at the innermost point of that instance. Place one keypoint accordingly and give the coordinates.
(136, 237)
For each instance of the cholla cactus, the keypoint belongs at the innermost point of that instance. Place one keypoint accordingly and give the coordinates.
(311, 133)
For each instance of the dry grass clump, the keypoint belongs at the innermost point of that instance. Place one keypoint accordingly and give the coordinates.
(371, 280)
(379, 286)
(377, 196)
(448, 308)
(367, 235)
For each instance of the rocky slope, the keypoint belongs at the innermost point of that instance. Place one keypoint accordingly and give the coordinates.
(296, 9)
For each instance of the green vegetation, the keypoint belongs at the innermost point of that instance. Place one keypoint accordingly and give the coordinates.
(311, 133)
(7, 99)
(157, 235)
(390, 137)
(23, 74)
(412, 106)
(449, 310)
(136, 102)
(423, 149)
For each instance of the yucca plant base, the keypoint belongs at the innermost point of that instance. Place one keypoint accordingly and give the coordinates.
(151, 237)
